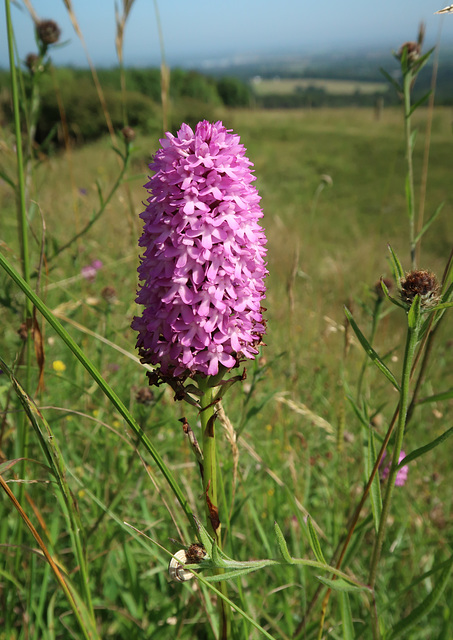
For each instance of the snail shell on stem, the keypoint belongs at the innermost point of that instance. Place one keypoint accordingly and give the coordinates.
(175, 568)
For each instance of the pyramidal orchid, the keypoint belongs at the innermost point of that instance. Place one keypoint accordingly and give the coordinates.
(201, 280)
(202, 272)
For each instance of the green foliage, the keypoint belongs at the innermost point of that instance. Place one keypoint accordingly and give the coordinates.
(233, 92)
(288, 460)
(84, 114)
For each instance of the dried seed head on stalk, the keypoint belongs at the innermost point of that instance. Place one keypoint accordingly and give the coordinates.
(32, 62)
(48, 31)
(128, 134)
(413, 51)
(422, 283)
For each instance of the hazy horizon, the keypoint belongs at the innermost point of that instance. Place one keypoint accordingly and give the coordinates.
(205, 31)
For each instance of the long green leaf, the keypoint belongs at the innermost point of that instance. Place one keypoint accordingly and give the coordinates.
(57, 466)
(340, 584)
(437, 397)
(371, 353)
(420, 102)
(422, 450)
(103, 385)
(4, 176)
(314, 542)
(390, 298)
(392, 81)
(429, 222)
(425, 607)
(396, 264)
(346, 616)
(282, 544)
(375, 490)
(413, 317)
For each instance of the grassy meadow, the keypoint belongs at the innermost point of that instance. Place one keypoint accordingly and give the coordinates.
(332, 184)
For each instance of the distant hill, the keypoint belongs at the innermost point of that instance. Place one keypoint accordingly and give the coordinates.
(359, 66)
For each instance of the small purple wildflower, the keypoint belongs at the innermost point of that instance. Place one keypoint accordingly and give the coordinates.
(401, 475)
(202, 272)
(89, 271)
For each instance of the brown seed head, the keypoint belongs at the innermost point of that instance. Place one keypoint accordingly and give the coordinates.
(195, 553)
(32, 61)
(48, 31)
(109, 295)
(128, 134)
(423, 283)
(413, 51)
(144, 396)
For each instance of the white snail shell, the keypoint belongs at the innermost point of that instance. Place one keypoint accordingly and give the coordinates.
(175, 568)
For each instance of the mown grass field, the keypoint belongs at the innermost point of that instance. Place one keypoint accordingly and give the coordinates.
(283, 86)
(300, 442)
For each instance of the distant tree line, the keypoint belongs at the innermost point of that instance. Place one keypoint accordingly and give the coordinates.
(193, 96)
(315, 97)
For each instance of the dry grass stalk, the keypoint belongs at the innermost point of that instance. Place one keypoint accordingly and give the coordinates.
(231, 436)
(303, 410)
(97, 84)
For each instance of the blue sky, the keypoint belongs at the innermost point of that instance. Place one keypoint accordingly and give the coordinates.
(207, 29)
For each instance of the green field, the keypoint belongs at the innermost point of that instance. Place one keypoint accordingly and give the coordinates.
(300, 443)
(284, 86)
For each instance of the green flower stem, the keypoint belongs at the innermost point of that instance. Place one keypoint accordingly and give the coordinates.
(411, 343)
(208, 416)
(25, 259)
(19, 153)
(103, 385)
(410, 195)
(375, 322)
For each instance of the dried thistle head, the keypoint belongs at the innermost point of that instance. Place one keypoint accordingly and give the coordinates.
(48, 31)
(128, 134)
(422, 283)
(144, 395)
(32, 62)
(413, 51)
(195, 553)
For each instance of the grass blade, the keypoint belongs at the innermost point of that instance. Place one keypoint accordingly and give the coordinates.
(371, 353)
(314, 542)
(422, 450)
(103, 385)
(396, 265)
(425, 607)
(340, 585)
(282, 544)
(375, 490)
(346, 616)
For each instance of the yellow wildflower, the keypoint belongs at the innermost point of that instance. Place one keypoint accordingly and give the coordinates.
(58, 366)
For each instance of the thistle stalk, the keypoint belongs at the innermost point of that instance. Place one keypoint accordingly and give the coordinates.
(409, 353)
(410, 193)
(23, 434)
